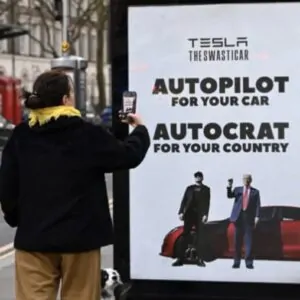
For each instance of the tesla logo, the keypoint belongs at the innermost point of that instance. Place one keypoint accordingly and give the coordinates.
(218, 42)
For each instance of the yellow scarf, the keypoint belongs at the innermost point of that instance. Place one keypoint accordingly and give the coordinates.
(44, 115)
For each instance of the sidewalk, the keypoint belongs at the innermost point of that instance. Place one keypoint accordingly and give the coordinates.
(7, 283)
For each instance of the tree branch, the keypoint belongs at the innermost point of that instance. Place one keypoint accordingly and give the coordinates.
(46, 8)
(42, 11)
(84, 16)
(44, 48)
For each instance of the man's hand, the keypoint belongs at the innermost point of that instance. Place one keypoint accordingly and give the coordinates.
(256, 221)
(204, 219)
(230, 182)
(180, 217)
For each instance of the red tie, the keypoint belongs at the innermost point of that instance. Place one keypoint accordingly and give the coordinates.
(245, 199)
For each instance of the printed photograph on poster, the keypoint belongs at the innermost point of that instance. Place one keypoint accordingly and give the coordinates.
(218, 191)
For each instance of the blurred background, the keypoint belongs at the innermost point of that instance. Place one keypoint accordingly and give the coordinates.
(30, 38)
(31, 35)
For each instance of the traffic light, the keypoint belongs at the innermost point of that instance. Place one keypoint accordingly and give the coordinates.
(58, 10)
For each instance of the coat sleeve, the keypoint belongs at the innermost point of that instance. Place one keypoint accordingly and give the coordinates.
(257, 212)
(231, 193)
(111, 154)
(183, 201)
(9, 178)
(207, 202)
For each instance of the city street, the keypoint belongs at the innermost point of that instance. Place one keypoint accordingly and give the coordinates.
(7, 260)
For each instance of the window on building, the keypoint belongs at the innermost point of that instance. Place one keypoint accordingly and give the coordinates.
(3, 43)
(76, 47)
(35, 47)
(24, 43)
(2, 71)
(105, 46)
(83, 45)
(93, 47)
(57, 39)
(93, 90)
(49, 35)
(17, 45)
(47, 38)
(73, 8)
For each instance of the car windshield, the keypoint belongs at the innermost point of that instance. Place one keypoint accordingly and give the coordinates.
(285, 213)
(290, 213)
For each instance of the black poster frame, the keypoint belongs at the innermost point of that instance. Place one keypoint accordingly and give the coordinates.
(153, 289)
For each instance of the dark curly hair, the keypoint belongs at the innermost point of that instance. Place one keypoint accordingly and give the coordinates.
(49, 89)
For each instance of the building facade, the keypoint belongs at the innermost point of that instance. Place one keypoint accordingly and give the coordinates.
(30, 55)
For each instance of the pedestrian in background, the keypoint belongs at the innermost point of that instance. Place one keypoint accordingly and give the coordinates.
(52, 188)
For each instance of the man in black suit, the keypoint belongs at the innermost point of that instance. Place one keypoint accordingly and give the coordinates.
(193, 211)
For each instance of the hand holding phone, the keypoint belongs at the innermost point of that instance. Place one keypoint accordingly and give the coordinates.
(131, 119)
(129, 108)
(129, 103)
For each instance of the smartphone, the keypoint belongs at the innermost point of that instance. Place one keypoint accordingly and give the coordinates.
(129, 103)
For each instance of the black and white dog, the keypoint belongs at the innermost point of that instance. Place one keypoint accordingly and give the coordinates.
(112, 286)
(110, 280)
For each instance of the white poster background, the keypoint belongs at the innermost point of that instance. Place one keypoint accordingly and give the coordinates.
(158, 48)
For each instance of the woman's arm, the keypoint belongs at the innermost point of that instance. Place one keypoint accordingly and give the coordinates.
(111, 154)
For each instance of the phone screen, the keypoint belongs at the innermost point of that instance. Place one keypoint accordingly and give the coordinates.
(129, 102)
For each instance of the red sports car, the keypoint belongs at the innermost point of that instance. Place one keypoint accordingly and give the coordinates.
(276, 237)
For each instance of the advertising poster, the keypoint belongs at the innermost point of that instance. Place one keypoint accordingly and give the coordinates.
(218, 196)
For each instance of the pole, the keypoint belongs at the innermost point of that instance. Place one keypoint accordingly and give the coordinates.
(65, 25)
(13, 58)
(13, 41)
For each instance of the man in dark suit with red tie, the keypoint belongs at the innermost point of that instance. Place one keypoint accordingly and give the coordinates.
(244, 215)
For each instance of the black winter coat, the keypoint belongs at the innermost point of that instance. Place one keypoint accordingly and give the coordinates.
(52, 184)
